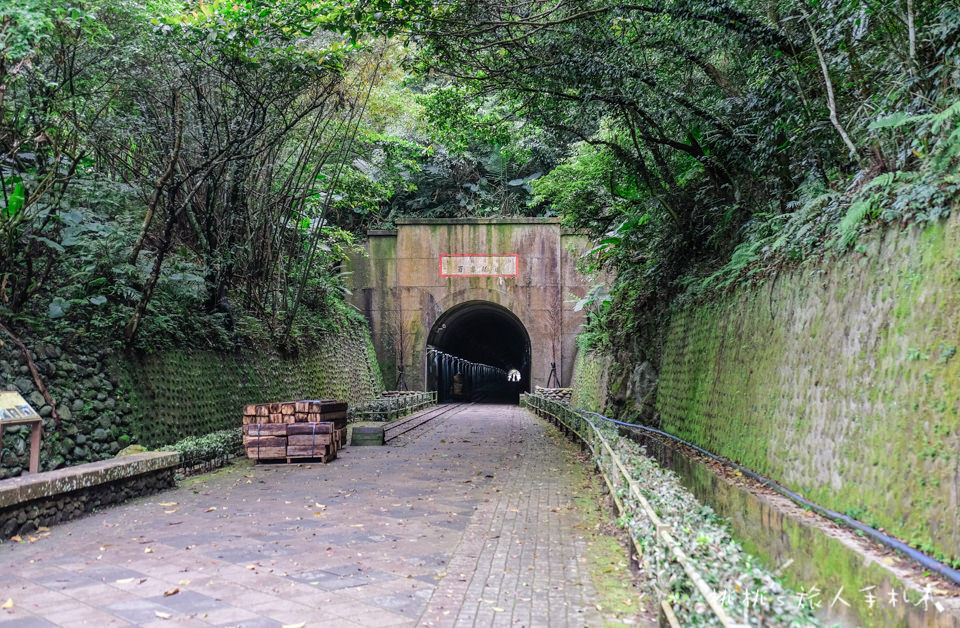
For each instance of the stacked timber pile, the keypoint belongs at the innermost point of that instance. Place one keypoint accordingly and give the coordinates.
(557, 394)
(290, 430)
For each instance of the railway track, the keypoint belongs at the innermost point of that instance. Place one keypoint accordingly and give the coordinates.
(398, 428)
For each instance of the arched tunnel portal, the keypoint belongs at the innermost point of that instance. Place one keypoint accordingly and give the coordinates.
(490, 291)
(475, 346)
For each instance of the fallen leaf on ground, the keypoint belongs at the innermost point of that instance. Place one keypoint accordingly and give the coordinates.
(147, 551)
(169, 512)
(8, 604)
(211, 509)
(167, 504)
(124, 581)
(183, 583)
(16, 538)
(173, 591)
(300, 625)
(162, 615)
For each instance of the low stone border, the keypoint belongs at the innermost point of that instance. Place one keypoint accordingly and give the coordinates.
(30, 501)
(846, 578)
(879, 587)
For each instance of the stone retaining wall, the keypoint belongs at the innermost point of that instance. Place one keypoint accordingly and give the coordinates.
(31, 501)
(107, 401)
(839, 379)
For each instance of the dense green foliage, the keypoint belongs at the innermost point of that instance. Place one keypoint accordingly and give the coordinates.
(215, 447)
(176, 170)
(713, 140)
(166, 173)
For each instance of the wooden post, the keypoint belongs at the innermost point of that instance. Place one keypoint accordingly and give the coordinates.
(14, 410)
(36, 431)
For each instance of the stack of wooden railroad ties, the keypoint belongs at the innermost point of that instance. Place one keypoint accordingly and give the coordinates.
(295, 430)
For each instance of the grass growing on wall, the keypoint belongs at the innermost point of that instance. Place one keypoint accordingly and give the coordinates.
(184, 394)
(839, 380)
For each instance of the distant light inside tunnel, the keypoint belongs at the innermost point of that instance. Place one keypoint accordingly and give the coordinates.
(513, 375)
(484, 342)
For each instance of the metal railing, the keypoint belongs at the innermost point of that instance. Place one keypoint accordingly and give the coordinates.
(622, 485)
(392, 405)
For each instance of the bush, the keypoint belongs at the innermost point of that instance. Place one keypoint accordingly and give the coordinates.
(216, 447)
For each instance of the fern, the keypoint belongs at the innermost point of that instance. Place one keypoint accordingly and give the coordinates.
(947, 150)
(945, 117)
(849, 226)
(883, 180)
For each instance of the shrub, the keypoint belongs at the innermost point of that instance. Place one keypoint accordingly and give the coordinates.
(216, 447)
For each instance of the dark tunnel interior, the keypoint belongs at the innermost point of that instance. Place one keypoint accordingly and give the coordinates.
(478, 333)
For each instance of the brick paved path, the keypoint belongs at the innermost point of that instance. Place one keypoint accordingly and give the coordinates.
(465, 521)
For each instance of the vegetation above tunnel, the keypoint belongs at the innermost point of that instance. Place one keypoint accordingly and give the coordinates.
(197, 170)
(708, 142)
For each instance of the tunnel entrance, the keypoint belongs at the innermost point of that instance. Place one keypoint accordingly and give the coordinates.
(483, 343)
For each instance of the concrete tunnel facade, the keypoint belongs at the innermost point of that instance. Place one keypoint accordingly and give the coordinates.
(492, 291)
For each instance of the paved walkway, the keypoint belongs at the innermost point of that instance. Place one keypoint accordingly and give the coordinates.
(467, 521)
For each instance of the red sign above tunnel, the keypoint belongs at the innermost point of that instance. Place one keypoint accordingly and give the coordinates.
(453, 265)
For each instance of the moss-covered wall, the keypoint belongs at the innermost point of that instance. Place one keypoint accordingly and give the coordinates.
(839, 379)
(188, 393)
(590, 381)
(107, 401)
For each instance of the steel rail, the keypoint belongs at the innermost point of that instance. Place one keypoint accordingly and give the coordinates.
(426, 416)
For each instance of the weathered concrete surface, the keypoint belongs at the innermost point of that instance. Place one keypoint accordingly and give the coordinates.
(467, 521)
(17, 490)
(879, 587)
(400, 288)
(839, 379)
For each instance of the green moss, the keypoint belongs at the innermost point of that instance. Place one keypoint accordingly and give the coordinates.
(809, 379)
(618, 593)
(588, 381)
(179, 394)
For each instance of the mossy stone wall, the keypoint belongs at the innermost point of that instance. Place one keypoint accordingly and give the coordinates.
(590, 381)
(839, 379)
(107, 401)
(189, 393)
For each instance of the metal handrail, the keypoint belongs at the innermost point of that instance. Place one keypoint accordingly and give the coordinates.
(407, 403)
(541, 405)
